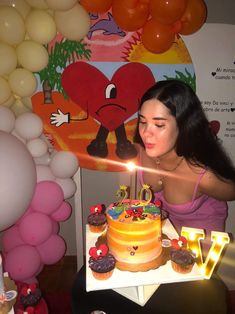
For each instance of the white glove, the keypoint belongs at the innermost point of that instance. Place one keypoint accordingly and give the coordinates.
(59, 118)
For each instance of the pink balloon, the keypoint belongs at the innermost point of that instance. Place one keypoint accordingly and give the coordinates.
(11, 239)
(48, 197)
(22, 262)
(63, 212)
(52, 250)
(35, 228)
(27, 212)
(55, 226)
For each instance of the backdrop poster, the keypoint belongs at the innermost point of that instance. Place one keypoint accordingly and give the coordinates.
(213, 54)
(92, 111)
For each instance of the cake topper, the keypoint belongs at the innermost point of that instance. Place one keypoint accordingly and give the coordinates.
(145, 194)
(122, 194)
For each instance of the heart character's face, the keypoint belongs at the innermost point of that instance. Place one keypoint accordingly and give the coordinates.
(96, 209)
(111, 102)
(96, 252)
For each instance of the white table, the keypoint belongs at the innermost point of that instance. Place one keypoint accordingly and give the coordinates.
(137, 286)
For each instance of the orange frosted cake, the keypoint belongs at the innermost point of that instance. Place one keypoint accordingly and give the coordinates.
(134, 234)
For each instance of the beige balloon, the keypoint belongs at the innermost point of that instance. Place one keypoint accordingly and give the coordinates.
(27, 102)
(19, 108)
(8, 59)
(62, 5)
(10, 101)
(22, 82)
(38, 4)
(12, 28)
(5, 89)
(40, 26)
(73, 24)
(32, 55)
(20, 5)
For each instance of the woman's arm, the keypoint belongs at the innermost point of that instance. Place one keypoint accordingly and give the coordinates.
(217, 188)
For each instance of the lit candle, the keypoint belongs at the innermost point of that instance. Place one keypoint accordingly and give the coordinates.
(133, 178)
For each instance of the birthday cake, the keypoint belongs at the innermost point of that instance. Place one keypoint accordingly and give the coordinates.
(133, 233)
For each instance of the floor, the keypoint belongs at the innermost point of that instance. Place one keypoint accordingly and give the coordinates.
(58, 279)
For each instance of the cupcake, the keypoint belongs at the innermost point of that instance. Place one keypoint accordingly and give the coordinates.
(30, 295)
(182, 259)
(97, 218)
(101, 262)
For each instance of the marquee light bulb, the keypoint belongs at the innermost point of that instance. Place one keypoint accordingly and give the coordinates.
(219, 240)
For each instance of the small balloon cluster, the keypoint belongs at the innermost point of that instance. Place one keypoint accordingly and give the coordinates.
(35, 182)
(26, 27)
(158, 20)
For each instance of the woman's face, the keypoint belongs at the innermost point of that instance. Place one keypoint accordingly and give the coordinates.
(157, 128)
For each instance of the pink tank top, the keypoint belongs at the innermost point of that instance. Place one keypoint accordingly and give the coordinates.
(203, 212)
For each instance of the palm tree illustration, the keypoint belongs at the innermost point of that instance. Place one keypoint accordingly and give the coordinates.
(60, 55)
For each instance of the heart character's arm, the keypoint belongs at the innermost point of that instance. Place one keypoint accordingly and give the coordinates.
(58, 118)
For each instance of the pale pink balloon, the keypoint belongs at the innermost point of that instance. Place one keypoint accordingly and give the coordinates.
(63, 212)
(11, 239)
(17, 179)
(44, 173)
(35, 228)
(22, 262)
(48, 197)
(52, 250)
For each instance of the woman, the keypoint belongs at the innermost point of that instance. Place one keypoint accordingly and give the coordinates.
(182, 159)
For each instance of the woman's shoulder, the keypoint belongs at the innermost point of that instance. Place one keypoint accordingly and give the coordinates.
(217, 187)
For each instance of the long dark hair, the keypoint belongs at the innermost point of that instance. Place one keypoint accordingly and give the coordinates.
(196, 140)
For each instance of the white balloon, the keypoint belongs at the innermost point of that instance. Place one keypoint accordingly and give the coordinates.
(64, 164)
(32, 55)
(68, 186)
(43, 160)
(18, 137)
(29, 125)
(8, 59)
(40, 26)
(22, 82)
(17, 179)
(5, 89)
(44, 173)
(7, 119)
(63, 5)
(37, 147)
